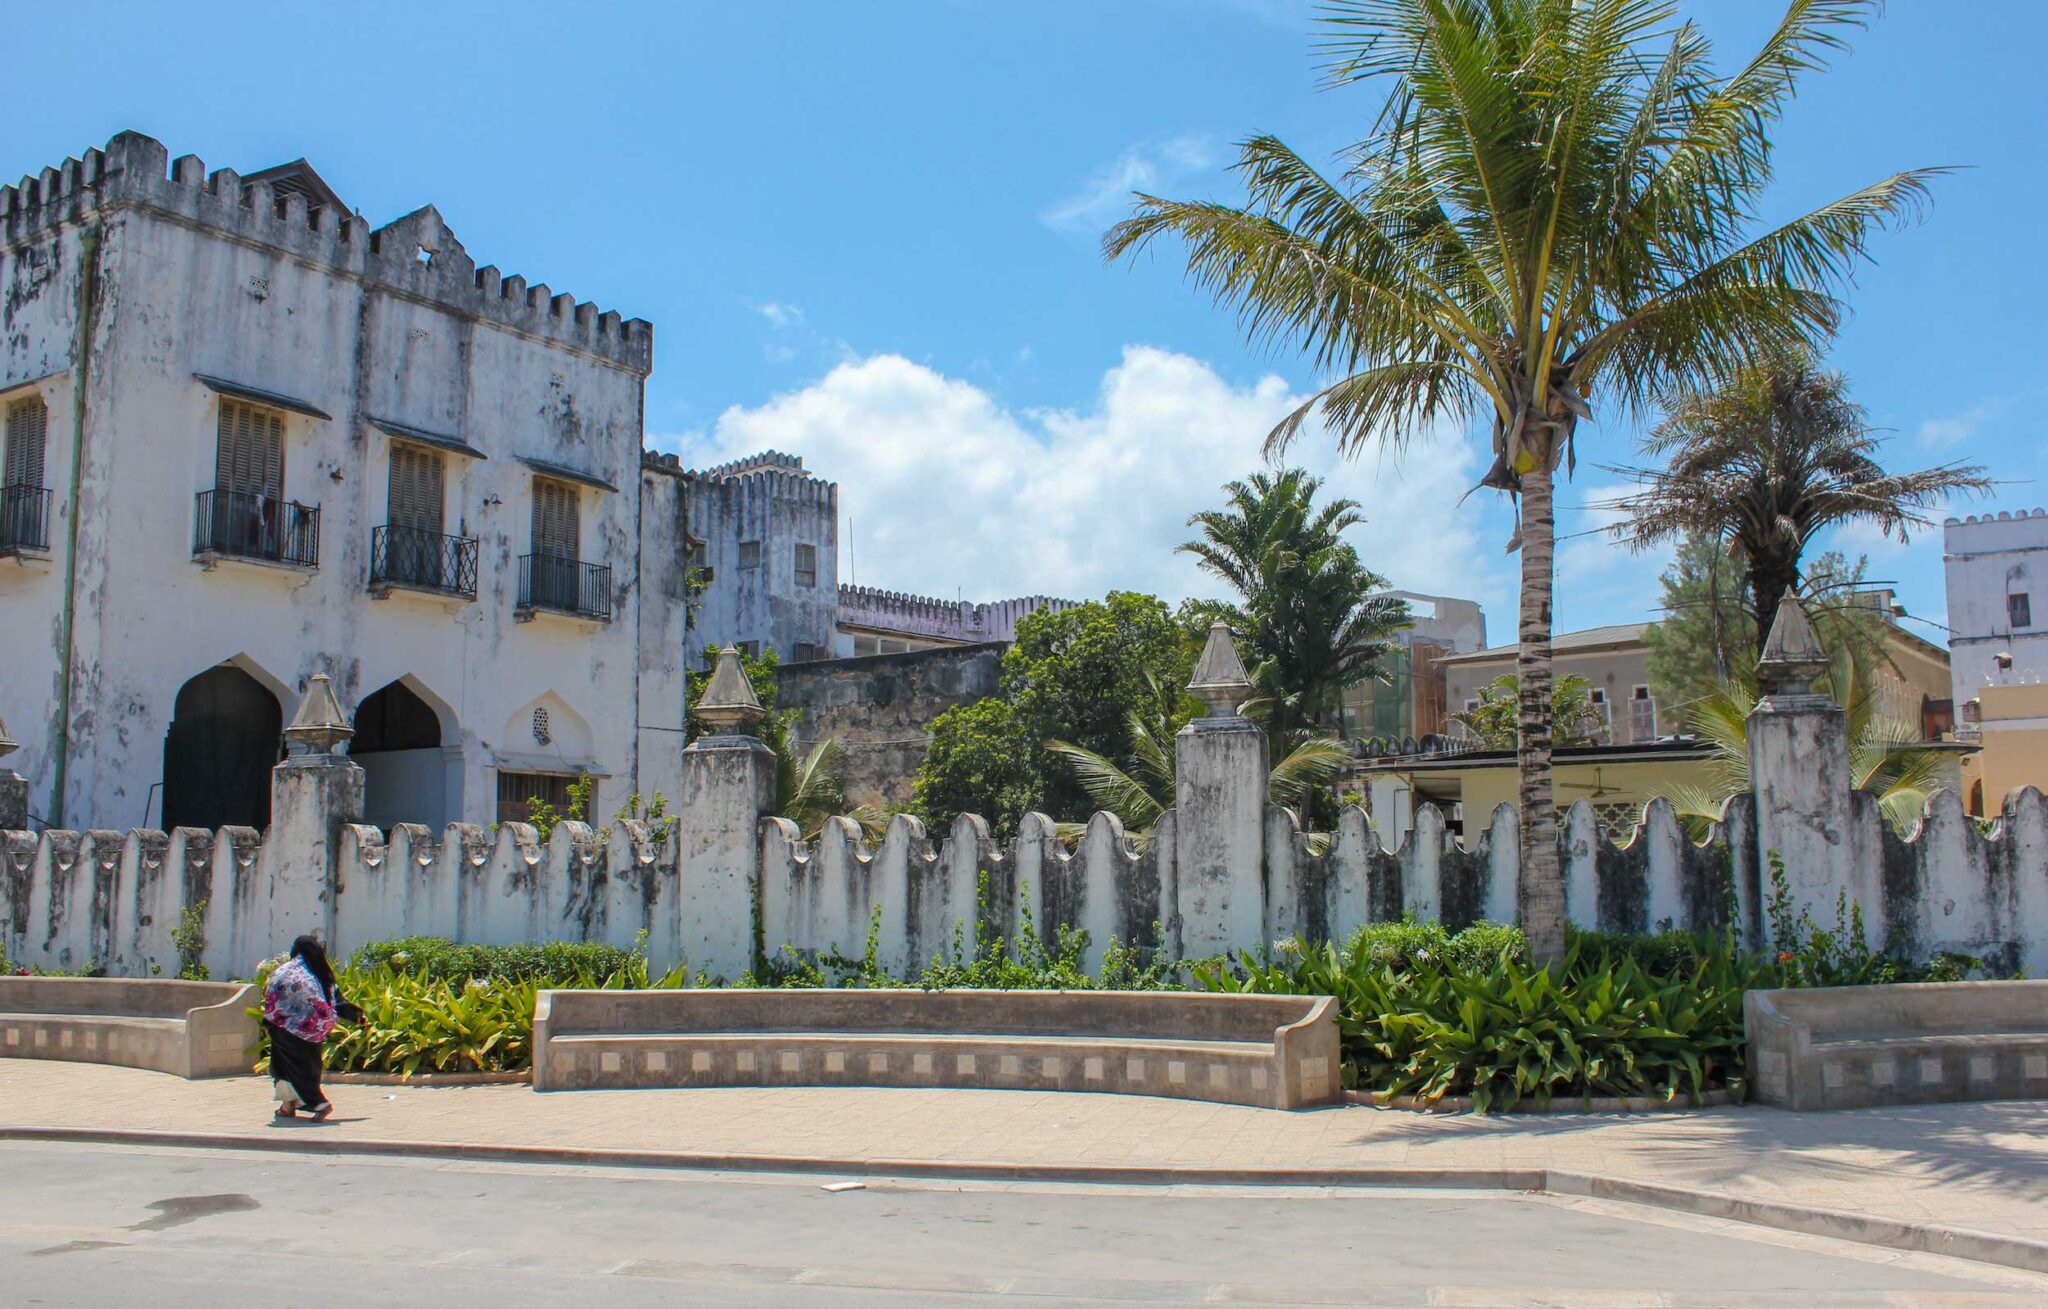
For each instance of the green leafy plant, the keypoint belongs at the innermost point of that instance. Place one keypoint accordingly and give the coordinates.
(542, 815)
(660, 822)
(189, 937)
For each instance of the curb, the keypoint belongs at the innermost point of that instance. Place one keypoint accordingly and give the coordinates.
(1841, 1225)
(1562, 1106)
(428, 1079)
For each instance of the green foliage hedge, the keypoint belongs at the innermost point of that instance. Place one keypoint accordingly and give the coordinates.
(1423, 1011)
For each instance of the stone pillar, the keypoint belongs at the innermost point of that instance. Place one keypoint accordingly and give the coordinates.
(1799, 771)
(1220, 775)
(13, 789)
(313, 793)
(728, 787)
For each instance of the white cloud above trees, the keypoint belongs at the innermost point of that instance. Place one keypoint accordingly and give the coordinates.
(945, 490)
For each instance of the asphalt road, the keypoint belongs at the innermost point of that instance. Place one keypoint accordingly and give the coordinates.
(84, 1225)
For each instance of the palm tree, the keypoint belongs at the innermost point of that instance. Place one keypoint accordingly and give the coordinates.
(1306, 601)
(1555, 209)
(1767, 460)
(1887, 757)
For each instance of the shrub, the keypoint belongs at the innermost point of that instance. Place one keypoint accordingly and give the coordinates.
(1442, 1015)
(556, 963)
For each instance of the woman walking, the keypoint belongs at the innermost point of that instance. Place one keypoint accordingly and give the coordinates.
(301, 1005)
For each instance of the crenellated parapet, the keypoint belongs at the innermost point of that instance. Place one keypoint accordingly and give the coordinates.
(416, 256)
(923, 615)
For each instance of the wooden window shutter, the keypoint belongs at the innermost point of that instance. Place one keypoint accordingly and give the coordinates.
(555, 525)
(416, 489)
(250, 457)
(28, 425)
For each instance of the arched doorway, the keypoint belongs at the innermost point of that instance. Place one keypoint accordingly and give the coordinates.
(398, 744)
(224, 738)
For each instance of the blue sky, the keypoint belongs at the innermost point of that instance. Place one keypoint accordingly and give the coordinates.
(867, 233)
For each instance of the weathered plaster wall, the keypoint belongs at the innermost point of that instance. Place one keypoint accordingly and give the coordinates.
(772, 502)
(1988, 558)
(882, 706)
(359, 325)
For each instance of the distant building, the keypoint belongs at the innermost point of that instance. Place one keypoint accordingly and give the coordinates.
(763, 542)
(1997, 575)
(1408, 699)
(1642, 748)
(872, 622)
(2009, 724)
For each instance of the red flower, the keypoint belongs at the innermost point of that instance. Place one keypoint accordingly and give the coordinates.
(1784, 956)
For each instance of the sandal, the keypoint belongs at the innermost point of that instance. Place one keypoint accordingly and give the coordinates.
(320, 1114)
(284, 1114)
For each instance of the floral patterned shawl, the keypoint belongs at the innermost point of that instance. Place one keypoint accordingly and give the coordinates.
(295, 1001)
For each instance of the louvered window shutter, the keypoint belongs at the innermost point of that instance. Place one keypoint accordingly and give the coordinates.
(28, 424)
(416, 489)
(555, 525)
(251, 451)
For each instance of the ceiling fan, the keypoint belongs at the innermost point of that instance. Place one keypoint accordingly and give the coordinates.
(1596, 790)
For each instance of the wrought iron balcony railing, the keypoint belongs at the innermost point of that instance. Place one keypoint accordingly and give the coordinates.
(565, 585)
(24, 519)
(245, 525)
(422, 560)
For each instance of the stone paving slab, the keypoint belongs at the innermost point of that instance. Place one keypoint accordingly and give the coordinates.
(1981, 1167)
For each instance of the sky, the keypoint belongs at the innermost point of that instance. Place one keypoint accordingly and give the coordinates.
(868, 234)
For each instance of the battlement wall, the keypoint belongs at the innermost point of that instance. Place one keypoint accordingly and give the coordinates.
(415, 256)
(923, 615)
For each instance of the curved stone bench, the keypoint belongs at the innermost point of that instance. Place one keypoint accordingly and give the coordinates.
(1848, 1047)
(1272, 1051)
(191, 1029)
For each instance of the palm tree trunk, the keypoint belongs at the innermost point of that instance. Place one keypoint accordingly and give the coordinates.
(1542, 882)
(1770, 576)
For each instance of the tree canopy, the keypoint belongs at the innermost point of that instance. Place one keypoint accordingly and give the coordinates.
(1307, 607)
(1556, 211)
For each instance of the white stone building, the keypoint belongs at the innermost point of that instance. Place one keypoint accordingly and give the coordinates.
(250, 438)
(1997, 573)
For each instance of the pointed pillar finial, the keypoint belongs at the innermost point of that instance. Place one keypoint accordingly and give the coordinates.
(319, 725)
(729, 702)
(1220, 681)
(1793, 656)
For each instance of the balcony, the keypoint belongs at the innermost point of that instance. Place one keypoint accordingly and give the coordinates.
(563, 585)
(420, 560)
(24, 519)
(244, 525)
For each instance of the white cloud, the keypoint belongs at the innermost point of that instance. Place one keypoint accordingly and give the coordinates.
(1106, 196)
(1941, 433)
(780, 315)
(948, 491)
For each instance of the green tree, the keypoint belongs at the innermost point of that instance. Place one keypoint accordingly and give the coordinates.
(1076, 676)
(1706, 635)
(1769, 458)
(1556, 209)
(980, 761)
(1306, 604)
(1493, 720)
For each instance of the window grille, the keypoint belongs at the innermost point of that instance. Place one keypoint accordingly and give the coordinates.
(750, 554)
(2019, 610)
(516, 790)
(807, 565)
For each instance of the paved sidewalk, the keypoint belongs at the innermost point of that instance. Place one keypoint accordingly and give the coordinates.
(1982, 1167)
